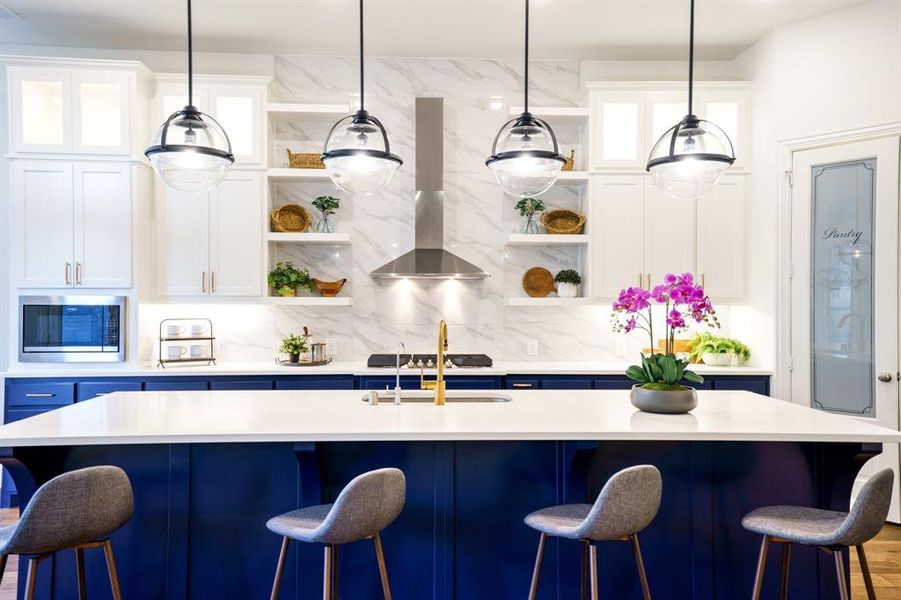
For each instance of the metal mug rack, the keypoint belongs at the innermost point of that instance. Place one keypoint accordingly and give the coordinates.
(166, 339)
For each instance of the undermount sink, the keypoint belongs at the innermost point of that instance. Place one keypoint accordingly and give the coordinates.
(425, 396)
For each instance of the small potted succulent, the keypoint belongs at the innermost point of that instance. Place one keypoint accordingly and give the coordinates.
(568, 281)
(659, 377)
(717, 351)
(285, 279)
(527, 208)
(326, 205)
(294, 346)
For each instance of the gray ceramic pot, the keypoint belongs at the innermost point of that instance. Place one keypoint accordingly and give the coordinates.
(675, 402)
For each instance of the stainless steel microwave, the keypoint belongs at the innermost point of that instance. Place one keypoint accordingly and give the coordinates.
(72, 328)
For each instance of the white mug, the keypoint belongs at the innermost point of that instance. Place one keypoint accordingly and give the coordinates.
(197, 330)
(174, 330)
(176, 351)
(198, 351)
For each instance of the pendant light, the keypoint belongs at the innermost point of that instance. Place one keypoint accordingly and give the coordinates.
(357, 153)
(191, 152)
(691, 157)
(525, 157)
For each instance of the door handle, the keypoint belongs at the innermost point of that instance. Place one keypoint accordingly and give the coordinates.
(703, 281)
(522, 385)
(640, 278)
(649, 282)
(39, 395)
(203, 282)
(77, 273)
(213, 281)
(68, 273)
(884, 377)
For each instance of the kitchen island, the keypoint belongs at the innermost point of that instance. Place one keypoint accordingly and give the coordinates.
(209, 468)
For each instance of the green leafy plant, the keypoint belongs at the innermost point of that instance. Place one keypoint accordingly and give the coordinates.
(568, 276)
(662, 372)
(707, 343)
(294, 345)
(285, 279)
(327, 205)
(529, 206)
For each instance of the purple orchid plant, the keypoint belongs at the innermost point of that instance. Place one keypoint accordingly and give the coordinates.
(681, 299)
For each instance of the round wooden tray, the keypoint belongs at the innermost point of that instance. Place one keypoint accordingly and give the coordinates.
(538, 282)
(288, 363)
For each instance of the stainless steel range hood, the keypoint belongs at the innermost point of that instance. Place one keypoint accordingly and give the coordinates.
(429, 259)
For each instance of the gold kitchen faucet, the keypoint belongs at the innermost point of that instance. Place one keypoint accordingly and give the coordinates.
(438, 384)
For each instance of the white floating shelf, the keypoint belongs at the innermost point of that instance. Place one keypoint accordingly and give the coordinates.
(538, 239)
(573, 177)
(290, 111)
(297, 175)
(557, 115)
(309, 238)
(549, 301)
(310, 300)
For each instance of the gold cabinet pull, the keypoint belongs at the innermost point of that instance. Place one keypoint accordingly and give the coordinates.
(640, 278)
(703, 281)
(649, 282)
(68, 273)
(522, 385)
(213, 281)
(77, 273)
(203, 281)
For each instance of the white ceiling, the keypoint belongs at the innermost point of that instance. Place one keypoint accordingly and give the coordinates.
(585, 29)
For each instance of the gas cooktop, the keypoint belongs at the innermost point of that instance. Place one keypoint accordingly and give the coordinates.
(428, 360)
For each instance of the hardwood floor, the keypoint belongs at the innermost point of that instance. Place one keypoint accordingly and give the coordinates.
(883, 553)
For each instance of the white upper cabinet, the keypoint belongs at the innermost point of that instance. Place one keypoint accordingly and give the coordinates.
(629, 117)
(73, 224)
(85, 109)
(618, 214)
(722, 220)
(669, 236)
(183, 242)
(235, 236)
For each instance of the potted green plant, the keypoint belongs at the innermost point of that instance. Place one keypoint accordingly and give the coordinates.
(717, 351)
(327, 205)
(659, 377)
(568, 281)
(285, 279)
(294, 346)
(527, 208)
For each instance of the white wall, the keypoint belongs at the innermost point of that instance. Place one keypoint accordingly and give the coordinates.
(832, 73)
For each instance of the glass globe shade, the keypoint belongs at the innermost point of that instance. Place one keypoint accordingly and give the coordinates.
(525, 159)
(357, 155)
(190, 152)
(690, 158)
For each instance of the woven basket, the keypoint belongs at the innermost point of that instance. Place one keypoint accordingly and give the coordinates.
(290, 218)
(563, 221)
(305, 160)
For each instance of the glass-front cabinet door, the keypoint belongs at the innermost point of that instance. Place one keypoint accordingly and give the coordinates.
(100, 103)
(40, 109)
(618, 130)
(239, 109)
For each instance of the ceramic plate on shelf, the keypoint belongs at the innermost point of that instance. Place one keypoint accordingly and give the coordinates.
(538, 282)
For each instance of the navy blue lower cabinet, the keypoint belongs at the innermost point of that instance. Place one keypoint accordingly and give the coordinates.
(407, 382)
(522, 383)
(316, 382)
(168, 384)
(566, 382)
(242, 384)
(758, 385)
(92, 389)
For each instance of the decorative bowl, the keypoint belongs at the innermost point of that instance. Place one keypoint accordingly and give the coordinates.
(329, 289)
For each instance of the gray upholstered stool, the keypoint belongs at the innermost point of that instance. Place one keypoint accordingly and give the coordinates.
(626, 505)
(77, 510)
(831, 531)
(366, 506)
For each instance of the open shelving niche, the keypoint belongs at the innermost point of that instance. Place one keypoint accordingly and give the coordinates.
(328, 256)
(573, 190)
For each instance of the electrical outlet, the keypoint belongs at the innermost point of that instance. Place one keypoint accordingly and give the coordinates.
(532, 347)
(620, 347)
(331, 347)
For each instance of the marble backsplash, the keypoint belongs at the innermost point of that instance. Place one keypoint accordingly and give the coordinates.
(478, 95)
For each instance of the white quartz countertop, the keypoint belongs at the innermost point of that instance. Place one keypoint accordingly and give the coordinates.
(302, 416)
(349, 368)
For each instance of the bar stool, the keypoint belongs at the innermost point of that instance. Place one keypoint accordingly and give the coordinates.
(366, 506)
(626, 505)
(77, 510)
(831, 531)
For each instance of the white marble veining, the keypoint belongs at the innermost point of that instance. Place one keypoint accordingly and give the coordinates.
(478, 95)
(291, 416)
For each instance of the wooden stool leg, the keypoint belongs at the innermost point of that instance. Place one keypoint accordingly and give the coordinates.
(327, 573)
(383, 572)
(32, 575)
(79, 573)
(280, 569)
(593, 564)
(865, 569)
(584, 577)
(645, 588)
(840, 574)
(111, 568)
(533, 589)
(761, 567)
(3, 559)
(786, 559)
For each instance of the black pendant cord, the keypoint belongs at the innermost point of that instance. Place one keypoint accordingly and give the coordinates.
(525, 103)
(691, 58)
(362, 104)
(190, 59)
